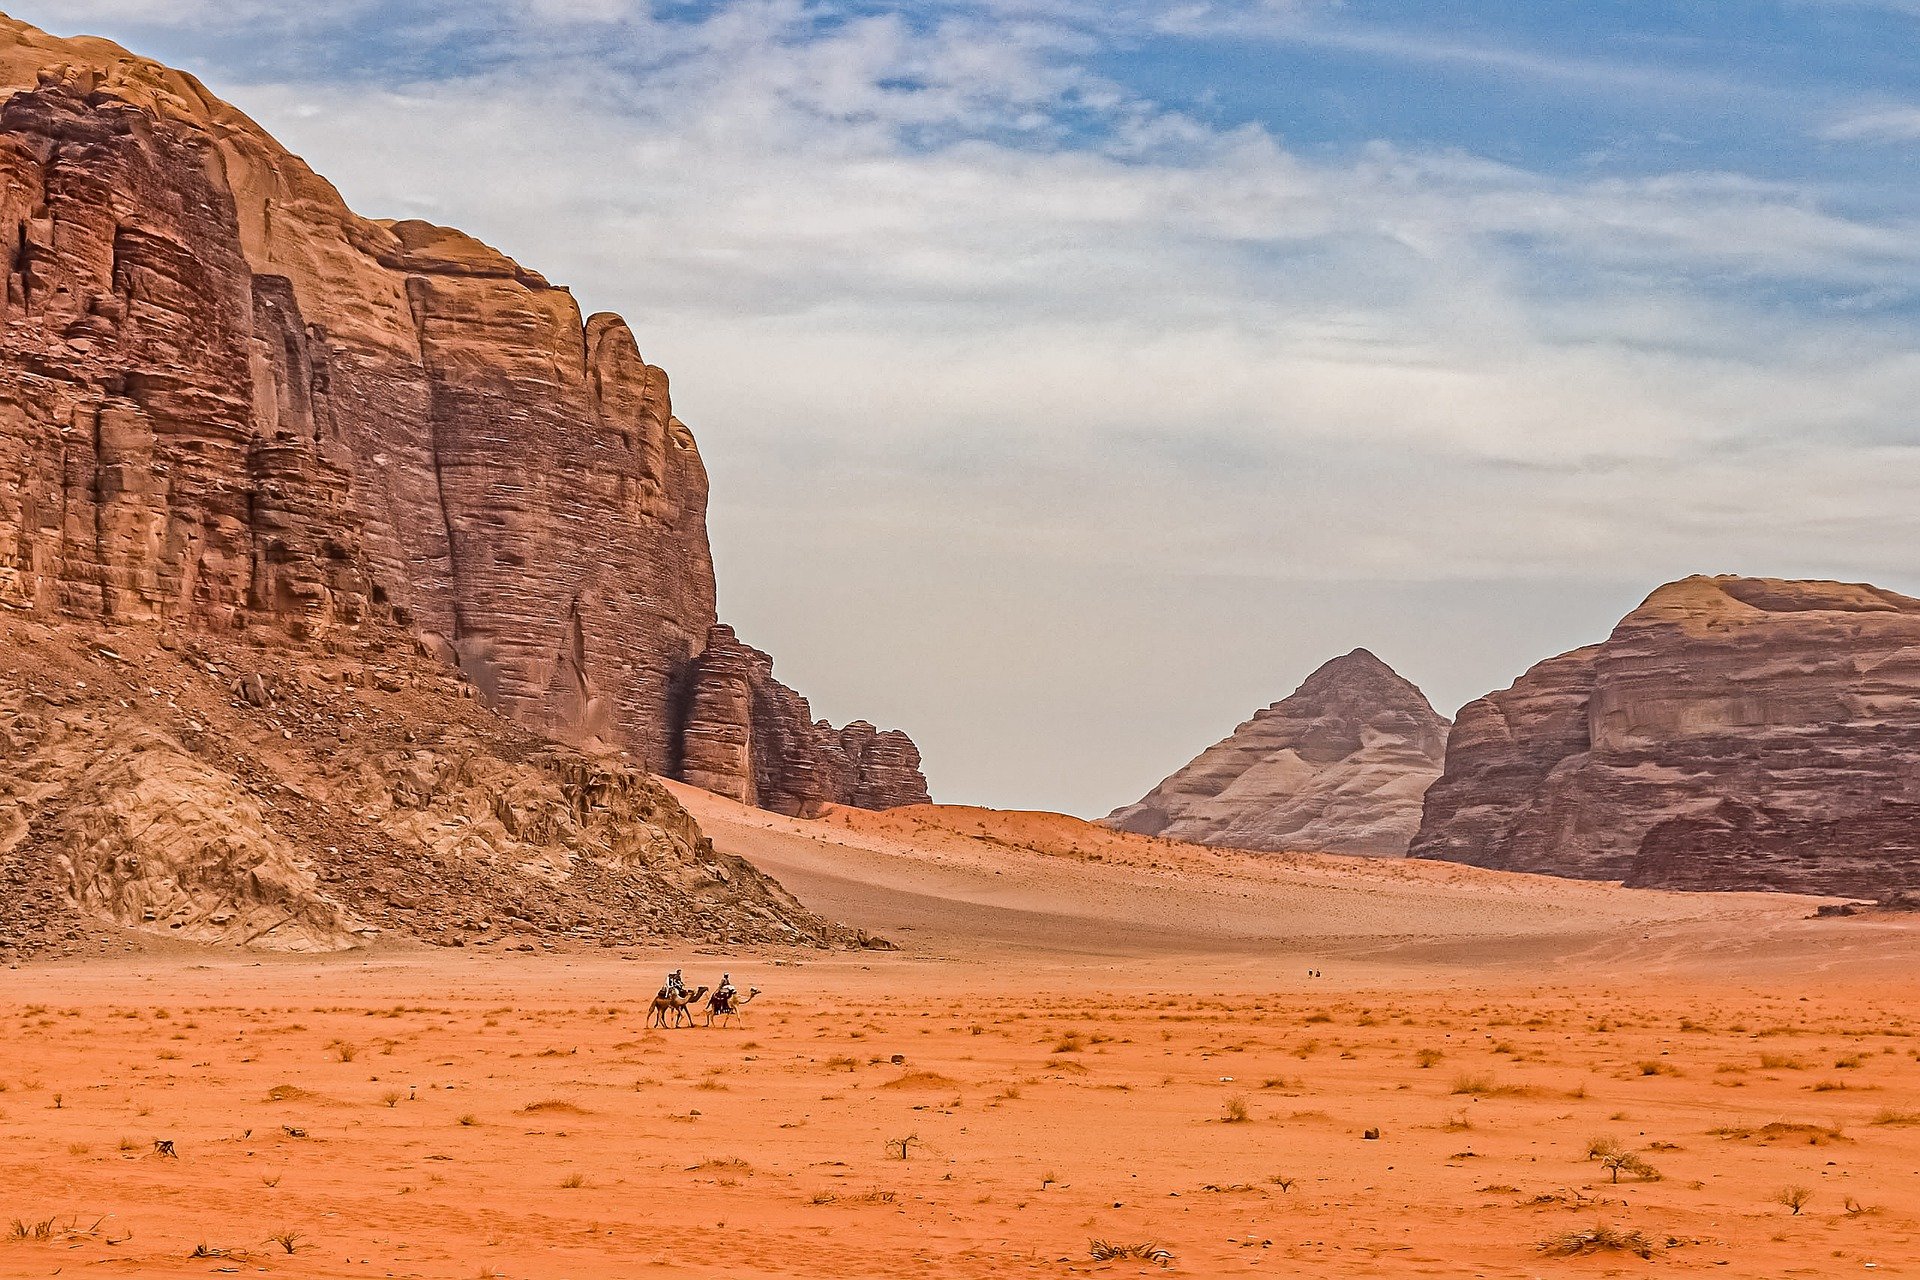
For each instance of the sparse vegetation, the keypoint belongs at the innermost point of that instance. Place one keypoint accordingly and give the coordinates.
(1599, 1238)
(1629, 1163)
(1106, 1251)
(1793, 1198)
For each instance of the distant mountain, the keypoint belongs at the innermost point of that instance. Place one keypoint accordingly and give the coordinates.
(1339, 766)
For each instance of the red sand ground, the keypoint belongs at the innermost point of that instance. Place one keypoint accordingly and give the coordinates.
(1081, 1020)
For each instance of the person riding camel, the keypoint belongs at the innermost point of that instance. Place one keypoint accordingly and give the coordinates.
(675, 988)
(724, 994)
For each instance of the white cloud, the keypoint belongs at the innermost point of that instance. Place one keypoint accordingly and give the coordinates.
(1899, 123)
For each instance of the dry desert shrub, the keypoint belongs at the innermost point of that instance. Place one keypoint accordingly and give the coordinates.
(1889, 1116)
(1629, 1163)
(1235, 1110)
(1793, 1198)
(1485, 1086)
(1599, 1238)
(553, 1106)
(1427, 1058)
(1106, 1251)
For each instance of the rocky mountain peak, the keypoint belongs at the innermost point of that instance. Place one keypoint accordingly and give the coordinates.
(1339, 765)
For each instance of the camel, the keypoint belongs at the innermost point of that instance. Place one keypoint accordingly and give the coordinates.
(731, 1009)
(657, 1016)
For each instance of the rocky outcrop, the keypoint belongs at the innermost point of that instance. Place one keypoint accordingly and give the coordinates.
(192, 786)
(228, 402)
(1732, 733)
(1339, 766)
(752, 739)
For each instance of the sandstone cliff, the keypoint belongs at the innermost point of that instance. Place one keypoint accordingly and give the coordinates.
(1339, 766)
(1732, 733)
(228, 402)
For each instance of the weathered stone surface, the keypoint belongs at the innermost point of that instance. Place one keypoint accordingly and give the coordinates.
(227, 401)
(1339, 766)
(1732, 733)
(751, 738)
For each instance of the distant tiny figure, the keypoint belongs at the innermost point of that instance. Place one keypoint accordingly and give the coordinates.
(725, 993)
(675, 988)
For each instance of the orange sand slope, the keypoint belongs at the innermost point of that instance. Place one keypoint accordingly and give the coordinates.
(962, 883)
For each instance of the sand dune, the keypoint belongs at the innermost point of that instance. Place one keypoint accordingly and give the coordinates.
(967, 884)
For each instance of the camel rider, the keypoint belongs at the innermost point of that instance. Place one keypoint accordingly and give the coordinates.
(675, 988)
(723, 995)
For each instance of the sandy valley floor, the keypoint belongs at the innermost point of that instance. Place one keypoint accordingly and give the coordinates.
(1084, 1038)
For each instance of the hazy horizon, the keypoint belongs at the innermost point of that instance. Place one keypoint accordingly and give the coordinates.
(1075, 378)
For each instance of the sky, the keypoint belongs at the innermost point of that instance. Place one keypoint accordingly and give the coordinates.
(1077, 376)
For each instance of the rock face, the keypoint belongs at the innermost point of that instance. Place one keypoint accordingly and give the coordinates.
(752, 739)
(1339, 766)
(1732, 733)
(228, 402)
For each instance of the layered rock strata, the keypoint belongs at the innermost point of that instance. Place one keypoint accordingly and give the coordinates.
(1732, 733)
(228, 402)
(752, 739)
(1339, 766)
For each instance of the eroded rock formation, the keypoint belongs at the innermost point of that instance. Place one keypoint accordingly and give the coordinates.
(194, 785)
(1339, 766)
(1732, 733)
(752, 739)
(227, 401)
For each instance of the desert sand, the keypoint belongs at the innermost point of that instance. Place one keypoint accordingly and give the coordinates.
(1083, 1036)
